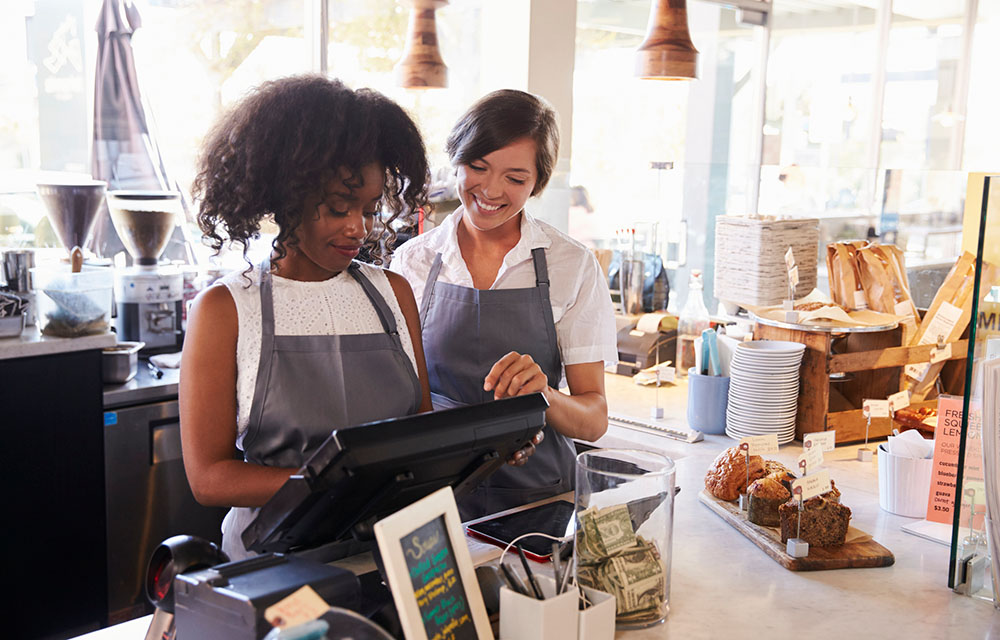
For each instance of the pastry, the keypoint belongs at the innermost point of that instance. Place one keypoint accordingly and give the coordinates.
(916, 418)
(765, 496)
(727, 477)
(813, 306)
(824, 522)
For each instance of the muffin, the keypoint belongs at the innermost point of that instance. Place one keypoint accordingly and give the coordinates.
(824, 522)
(765, 496)
(727, 477)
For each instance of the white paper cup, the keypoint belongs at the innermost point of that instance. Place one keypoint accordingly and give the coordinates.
(904, 484)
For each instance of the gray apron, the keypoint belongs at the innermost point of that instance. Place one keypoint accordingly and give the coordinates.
(307, 386)
(465, 331)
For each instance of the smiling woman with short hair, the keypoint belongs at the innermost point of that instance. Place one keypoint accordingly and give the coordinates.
(509, 305)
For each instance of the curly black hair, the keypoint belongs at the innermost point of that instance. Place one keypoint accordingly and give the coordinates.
(281, 143)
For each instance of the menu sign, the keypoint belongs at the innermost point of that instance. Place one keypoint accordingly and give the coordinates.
(947, 434)
(437, 584)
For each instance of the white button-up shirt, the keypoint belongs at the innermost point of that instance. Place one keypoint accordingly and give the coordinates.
(578, 291)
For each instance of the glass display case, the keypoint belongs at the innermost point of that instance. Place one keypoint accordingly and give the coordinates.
(975, 533)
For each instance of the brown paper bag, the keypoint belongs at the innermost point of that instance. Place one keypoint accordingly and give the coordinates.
(949, 314)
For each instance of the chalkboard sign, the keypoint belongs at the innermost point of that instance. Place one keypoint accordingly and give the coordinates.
(430, 571)
(437, 585)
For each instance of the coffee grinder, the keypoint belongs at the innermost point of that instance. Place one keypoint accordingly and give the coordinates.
(149, 296)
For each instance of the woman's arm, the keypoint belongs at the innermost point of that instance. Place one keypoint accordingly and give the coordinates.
(583, 413)
(408, 305)
(208, 410)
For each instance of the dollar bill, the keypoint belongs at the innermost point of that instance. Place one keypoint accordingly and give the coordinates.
(605, 532)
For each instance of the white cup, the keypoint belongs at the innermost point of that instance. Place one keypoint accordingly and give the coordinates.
(904, 484)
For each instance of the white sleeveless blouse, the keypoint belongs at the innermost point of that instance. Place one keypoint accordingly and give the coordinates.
(338, 306)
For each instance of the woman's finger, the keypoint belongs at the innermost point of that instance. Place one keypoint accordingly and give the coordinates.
(514, 376)
(498, 368)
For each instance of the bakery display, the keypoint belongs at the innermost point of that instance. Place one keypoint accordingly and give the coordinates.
(923, 419)
(727, 477)
(765, 496)
(823, 522)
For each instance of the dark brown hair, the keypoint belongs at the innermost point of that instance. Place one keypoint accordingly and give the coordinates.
(281, 143)
(500, 118)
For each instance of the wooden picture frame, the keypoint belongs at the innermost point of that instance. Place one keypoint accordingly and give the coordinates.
(430, 572)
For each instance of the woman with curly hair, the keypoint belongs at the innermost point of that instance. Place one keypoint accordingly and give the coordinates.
(311, 339)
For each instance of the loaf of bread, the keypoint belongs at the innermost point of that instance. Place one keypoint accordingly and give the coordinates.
(765, 496)
(727, 477)
(824, 522)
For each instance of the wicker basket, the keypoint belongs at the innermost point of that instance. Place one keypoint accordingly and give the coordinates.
(750, 258)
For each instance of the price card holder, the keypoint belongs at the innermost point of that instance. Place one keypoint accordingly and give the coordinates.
(898, 401)
(871, 409)
(430, 572)
(755, 446)
(797, 547)
(810, 460)
(825, 440)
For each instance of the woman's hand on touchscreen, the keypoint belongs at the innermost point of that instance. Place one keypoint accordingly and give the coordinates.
(515, 374)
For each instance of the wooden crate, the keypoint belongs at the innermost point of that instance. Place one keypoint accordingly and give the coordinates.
(874, 361)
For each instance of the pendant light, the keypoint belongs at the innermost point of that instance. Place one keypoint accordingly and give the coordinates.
(667, 53)
(421, 66)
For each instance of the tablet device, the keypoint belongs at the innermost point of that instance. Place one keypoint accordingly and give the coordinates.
(552, 518)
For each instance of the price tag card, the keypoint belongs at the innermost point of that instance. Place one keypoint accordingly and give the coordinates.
(812, 485)
(810, 461)
(825, 440)
(875, 408)
(760, 445)
(939, 355)
(302, 606)
(789, 258)
(916, 371)
(793, 276)
(899, 401)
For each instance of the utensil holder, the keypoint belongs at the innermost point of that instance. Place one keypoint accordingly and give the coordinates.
(554, 618)
(597, 622)
(904, 484)
(708, 397)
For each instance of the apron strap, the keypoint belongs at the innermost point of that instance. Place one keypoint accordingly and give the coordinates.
(541, 267)
(432, 277)
(266, 346)
(381, 308)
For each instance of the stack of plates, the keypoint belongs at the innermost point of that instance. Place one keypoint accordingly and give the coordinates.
(764, 389)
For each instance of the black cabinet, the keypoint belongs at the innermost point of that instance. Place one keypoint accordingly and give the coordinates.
(52, 465)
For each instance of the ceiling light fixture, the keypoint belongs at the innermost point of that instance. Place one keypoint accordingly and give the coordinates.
(667, 53)
(421, 66)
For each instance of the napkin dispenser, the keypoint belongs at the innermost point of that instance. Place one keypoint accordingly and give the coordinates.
(229, 600)
(639, 343)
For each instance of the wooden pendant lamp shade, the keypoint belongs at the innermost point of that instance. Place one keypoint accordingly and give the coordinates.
(667, 53)
(421, 66)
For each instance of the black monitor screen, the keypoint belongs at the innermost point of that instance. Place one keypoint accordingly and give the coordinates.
(366, 472)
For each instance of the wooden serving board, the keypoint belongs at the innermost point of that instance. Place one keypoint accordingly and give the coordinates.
(864, 553)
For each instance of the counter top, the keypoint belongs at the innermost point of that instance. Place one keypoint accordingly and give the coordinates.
(142, 388)
(722, 585)
(31, 342)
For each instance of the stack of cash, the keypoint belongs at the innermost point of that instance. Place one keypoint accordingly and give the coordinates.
(613, 559)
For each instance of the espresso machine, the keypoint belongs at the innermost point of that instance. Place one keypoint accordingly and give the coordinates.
(149, 296)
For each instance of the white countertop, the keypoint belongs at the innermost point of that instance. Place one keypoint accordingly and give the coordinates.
(722, 585)
(32, 343)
